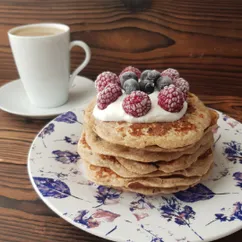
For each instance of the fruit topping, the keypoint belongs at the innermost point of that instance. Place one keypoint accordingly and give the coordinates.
(133, 69)
(172, 73)
(127, 75)
(183, 85)
(108, 95)
(137, 104)
(163, 81)
(171, 99)
(130, 85)
(106, 78)
(150, 75)
(148, 79)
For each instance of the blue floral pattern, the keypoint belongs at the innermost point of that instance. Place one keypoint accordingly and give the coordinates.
(238, 177)
(70, 141)
(233, 152)
(85, 220)
(154, 238)
(50, 128)
(55, 188)
(57, 175)
(66, 157)
(96, 218)
(140, 207)
(106, 196)
(235, 215)
(141, 202)
(194, 194)
(52, 188)
(176, 212)
(68, 117)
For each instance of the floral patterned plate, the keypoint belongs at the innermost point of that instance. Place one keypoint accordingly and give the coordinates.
(208, 211)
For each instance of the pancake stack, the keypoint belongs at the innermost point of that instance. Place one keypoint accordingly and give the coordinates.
(149, 158)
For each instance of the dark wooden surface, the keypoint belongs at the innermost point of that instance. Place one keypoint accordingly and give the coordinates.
(202, 39)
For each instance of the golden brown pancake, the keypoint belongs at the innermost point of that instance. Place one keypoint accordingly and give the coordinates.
(101, 146)
(165, 185)
(188, 165)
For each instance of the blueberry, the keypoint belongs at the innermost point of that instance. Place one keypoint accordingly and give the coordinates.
(127, 75)
(147, 86)
(150, 75)
(144, 74)
(162, 82)
(148, 79)
(131, 85)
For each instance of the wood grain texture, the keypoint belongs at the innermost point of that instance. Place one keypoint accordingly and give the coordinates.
(23, 216)
(201, 39)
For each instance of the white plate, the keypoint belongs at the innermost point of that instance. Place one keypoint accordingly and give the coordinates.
(13, 99)
(207, 212)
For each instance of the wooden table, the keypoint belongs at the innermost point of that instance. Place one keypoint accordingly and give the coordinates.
(202, 39)
(23, 216)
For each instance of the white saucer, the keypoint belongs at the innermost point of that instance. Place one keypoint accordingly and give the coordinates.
(13, 99)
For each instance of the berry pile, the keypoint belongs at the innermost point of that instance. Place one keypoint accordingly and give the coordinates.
(172, 76)
(129, 79)
(173, 90)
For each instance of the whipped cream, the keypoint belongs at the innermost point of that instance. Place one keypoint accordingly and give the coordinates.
(115, 112)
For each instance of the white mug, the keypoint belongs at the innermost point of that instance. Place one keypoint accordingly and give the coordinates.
(42, 56)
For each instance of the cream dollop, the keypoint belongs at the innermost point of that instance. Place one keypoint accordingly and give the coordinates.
(115, 112)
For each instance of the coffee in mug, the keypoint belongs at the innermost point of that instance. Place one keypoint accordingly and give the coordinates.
(37, 31)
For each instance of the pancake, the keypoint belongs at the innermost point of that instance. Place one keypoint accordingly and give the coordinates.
(152, 191)
(181, 163)
(203, 161)
(171, 135)
(105, 176)
(214, 118)
(101, 146)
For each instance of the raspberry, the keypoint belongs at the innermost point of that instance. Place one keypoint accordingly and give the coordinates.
(106, 78)
(137, 104)
(183, 85)
(133, 69)
(172, 73)
(171, 99)
(108, 95)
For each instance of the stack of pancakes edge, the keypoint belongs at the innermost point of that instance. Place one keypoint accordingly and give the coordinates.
(149, 158)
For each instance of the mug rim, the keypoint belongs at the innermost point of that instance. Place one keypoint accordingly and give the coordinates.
(63, 27)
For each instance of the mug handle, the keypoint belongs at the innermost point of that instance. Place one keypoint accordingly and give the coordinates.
(87, 50)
